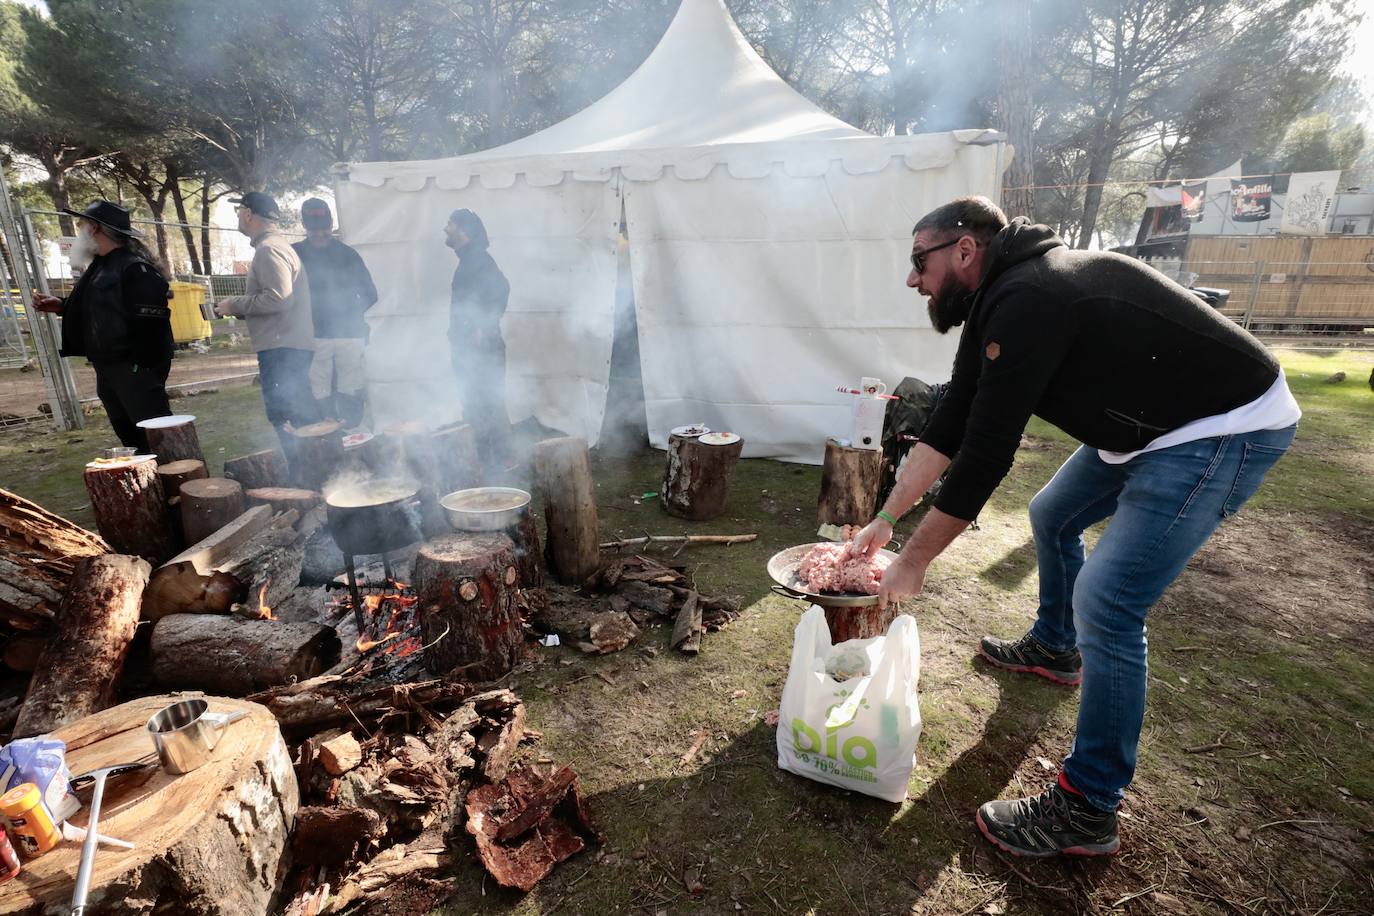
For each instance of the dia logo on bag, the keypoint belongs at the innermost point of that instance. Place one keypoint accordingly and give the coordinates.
(859, 754)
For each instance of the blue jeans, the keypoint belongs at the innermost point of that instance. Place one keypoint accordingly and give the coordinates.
(1163, 506)
(285, 376)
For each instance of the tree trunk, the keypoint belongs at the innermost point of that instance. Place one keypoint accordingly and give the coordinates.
(79, 673)
(38, 551)
(211, 843)
(258, 470)
(179, 201)
(1099, 166)
(697, 478)
(131, 509)
(177, 473)
(283, 499)
(861, 622)
(529, 557)
(206, 259)
(57, 189)
(1014, 104)
(173, 439)
(562, 471)
(319, 452)
(469, 618)
(227, 654)
(307, 707)
(849, 485)
(208, 505)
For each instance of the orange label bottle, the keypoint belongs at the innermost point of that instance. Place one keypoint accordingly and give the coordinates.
(33, 830)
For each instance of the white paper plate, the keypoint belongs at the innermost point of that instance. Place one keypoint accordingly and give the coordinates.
(719, 439)
(162, 422)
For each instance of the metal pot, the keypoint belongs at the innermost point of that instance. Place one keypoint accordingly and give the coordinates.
(465, 513)
(185, 734)
(379, 527)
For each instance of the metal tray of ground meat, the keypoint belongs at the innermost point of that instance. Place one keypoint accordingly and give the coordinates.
(783, 568)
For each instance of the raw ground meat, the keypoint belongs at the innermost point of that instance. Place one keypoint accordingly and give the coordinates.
(825, 569)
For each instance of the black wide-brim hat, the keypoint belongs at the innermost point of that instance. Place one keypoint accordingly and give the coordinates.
(110, 215)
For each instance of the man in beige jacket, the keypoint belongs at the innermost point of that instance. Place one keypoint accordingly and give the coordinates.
(276, 303)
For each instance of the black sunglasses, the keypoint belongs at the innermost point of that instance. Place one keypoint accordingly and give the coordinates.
(918, 258)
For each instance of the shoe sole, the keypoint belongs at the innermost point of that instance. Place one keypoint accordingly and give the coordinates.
(1046, 673)
(1086, 852)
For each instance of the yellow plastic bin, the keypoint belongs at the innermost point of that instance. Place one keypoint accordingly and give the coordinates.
(188, 323)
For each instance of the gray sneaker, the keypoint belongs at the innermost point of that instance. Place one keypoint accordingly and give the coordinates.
(1030, 655)
(1057, 822)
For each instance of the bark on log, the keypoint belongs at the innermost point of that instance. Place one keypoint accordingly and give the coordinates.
(176, 473)
(455, 450)
(258, 470)
(687, 628)
(284, 499)
(858, 622)
(79, 673)
(319, 453)
(562, 470)
(697, 477)
(208, 505)
(469, 617)
(849, 485)
(234, 656)
(23, 652)
(208, 844)
(131, 508)
(529, 556)
(38, 551)
(309, 706)
(173, 441)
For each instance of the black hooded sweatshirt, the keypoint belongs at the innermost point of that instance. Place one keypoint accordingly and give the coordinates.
(1109, 350)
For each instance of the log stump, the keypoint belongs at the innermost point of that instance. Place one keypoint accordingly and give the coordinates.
(319, 453)
(563, 475)
(849, 485)
(230, 655)
(131, 508)
(176, 473)
(79, 673)
(858, 622)
(208, 505)
(455, 451)
(283, 499)
(260, 469)
(697, 477)
(469, 617)
(529, 556)
(208, 842)
(173, 438)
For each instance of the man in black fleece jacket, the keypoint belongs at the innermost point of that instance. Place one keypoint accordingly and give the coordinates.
(1181, 414)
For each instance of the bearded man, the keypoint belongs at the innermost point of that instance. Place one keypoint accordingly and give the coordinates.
(117, 317)
(1181, 414)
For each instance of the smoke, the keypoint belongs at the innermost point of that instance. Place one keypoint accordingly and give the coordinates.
(351, 488)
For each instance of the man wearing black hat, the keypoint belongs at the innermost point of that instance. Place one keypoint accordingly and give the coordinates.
(118, 318)
(276, 303)
(341, 290)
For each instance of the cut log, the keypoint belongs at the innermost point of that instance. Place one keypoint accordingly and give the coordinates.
(176, 473)
(79, 673)
(529, 557)
(309, 706)
(130, 508)
(208, 505)
(687, 628)
(283, 499)
(173, 438)
(340, 754)
(858, 622)
(234, 656)
(469, 617)
(455, 451)
(849, 485)
(260, 469)
(697, 477)
(319, 453)
(210, 842)
(38, 551)
(562, 470)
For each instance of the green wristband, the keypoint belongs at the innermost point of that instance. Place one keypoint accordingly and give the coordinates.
(887, 518)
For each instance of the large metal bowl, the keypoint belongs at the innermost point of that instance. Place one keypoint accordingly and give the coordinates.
(783, 568)
(486, 508)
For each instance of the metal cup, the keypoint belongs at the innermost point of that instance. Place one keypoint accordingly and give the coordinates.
(185, 734)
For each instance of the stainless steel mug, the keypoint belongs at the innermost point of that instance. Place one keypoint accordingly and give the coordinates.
(185, 734)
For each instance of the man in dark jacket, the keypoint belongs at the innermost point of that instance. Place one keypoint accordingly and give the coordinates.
(478, 300)
(341, 291)
(118, 318)
(1181, 414)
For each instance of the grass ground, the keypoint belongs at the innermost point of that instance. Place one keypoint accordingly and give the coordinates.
(1255, 789)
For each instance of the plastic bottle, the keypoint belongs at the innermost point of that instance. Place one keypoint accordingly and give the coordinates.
(30, 826)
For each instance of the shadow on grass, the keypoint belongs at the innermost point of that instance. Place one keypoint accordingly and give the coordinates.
(1013, 568)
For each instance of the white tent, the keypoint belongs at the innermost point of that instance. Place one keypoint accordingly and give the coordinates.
(768, 244)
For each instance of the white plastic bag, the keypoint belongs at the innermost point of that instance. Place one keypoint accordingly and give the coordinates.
(860, 733)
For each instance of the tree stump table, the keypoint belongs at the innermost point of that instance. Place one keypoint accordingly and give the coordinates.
(469, 618)
(260, 469)
(208, 842)
(283, 499)
(131, 507)
(319, 453)
(849, 485)
(173, 438)
(208, 505)
(697, 477)
(562, 472)
(862, 622)
(176, 473)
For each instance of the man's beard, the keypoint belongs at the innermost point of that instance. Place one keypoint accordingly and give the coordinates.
(950, 308)
(83, 250)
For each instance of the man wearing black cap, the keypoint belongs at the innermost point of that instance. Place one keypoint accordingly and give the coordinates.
(341, 290)
(276, 303)
(118, 318)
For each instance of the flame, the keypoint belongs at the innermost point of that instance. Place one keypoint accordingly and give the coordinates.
(264, 612)
(364, 645)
